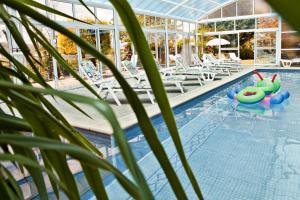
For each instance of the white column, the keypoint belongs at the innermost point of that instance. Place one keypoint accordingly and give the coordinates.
(54, 62)
(167, 44)
(278, 41)
(117, 41)
(196, 39)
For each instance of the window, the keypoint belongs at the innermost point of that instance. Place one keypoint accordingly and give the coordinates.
(179, 25)
(141, 19)
(216, 14)
(171, 24)
(290, 54)
(267, 22)
(290, 41)
(245, 24)
(225, 26)
(266, 48)
(209, 27)
(150, 21)
(232, 39)
(211, 49)
(84, 14)
(62, 7)
(160, 23)
(192, 28)
(105, 16)
(261, 7)
(245, 7)
(186, 27)
(229, 10)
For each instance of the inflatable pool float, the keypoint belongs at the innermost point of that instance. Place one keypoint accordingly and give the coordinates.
(266, 91)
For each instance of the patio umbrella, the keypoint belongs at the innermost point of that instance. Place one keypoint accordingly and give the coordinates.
(217, 42)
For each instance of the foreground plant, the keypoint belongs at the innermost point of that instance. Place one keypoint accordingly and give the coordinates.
(28, 110)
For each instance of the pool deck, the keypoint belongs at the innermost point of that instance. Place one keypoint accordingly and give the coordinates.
(126, 115)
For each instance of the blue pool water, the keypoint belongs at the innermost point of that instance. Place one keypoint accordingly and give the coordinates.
(235, 152)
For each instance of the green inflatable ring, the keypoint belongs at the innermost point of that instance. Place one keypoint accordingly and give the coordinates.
(251, 95)
(266, 85)
(277, 85)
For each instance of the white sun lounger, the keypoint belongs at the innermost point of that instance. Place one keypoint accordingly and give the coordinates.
(193, 71)
(208, 66)
(141, 77)
(109, 85)
(288, 63)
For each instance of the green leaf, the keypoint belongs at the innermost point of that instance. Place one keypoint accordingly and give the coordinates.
(8, 122)
(14, 184)
(74, 151)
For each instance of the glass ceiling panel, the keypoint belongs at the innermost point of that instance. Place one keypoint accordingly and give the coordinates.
(183, 9)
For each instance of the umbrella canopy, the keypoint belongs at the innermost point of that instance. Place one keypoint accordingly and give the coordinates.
(217, 42)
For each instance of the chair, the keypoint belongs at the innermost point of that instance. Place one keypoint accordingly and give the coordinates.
(133, 71)
(109, 85)
(141, 77)
(88, 69)
(168, 77)
(134, 60)
(220, 63)
(233, 57)
(193, 72)
(206, 66)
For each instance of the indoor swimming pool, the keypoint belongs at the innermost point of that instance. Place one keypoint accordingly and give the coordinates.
(236, 152)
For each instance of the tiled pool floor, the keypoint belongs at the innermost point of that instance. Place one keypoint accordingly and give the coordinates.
(235, 153)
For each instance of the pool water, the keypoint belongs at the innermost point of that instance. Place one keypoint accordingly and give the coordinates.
(236, 152)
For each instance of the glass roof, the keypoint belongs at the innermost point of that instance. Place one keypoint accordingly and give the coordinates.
(183, 9)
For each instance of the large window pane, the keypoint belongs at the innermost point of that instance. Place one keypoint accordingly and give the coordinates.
(261, 7)
(151, 38)
(267, 22)
(160, 23)
(266, 40)
(247, 48)
(225, 26)
(245, 7)
(186, 27)
(229, 10)
(84, 14)
(141, 19)
(105, 16)
(171, 24)
(62, 7)
(216, 14)
(172, 46)
(68, 49)
(266, 48)
(179, 43)
(46, 60)
(211, 49)
(209, 27)
(150, 21)
(290, 41)
(193, 28)
(232, 39)
(290, 54)
(107, 48)
(125, 46)
(245, 24)
(161, 40)
(88, 35)
(179, 25)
